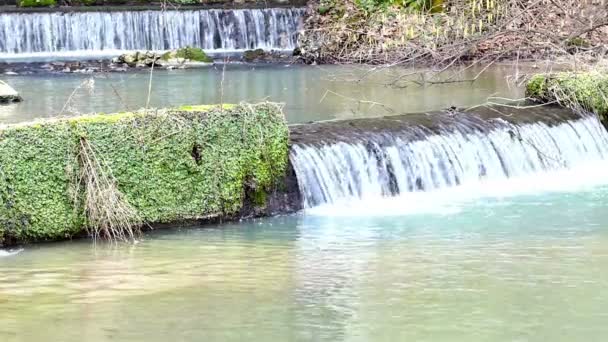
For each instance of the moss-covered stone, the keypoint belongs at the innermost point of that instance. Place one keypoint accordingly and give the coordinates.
(254, 55)
(193, 54)
(586, 91)
(183, 164)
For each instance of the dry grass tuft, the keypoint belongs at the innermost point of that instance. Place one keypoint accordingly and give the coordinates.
(109, 216)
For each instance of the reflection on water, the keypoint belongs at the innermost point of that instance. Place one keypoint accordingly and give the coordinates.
(310, 93)
(523, 268)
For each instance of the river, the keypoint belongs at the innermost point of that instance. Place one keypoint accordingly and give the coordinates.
(516, 267)
(309, 93)
(515, 259)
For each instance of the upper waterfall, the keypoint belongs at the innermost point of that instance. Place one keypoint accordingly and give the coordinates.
(395, 160)
(212, 30)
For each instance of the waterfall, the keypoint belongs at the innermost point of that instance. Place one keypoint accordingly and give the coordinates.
(211, 30)
(381, 164)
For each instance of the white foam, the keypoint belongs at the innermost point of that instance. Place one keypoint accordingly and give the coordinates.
(432, 174)
(4, 253)
(451, 200)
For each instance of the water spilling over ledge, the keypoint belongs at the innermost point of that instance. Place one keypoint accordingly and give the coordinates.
(222, 166)
(371, 158)
(86, 32)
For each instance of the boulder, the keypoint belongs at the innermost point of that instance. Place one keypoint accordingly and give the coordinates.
(129, 59)
(8, 94)
(174, 58)
(255, 55)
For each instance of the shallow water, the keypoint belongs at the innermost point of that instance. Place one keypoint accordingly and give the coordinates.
(310, 93)
(500, 260)
(505, 265)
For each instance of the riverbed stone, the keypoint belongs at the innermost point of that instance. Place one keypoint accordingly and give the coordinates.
(187, 56)
(8, 94)
(254, 55)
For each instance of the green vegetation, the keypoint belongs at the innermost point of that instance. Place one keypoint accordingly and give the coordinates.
(185, 2)
(188, 53)
(193, 54)
(188, 163)
(416, 5)
(580, 91)
(88, 2)
(36, 3)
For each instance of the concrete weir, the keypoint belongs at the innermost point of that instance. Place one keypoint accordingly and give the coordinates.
(208, 163)
(340, 162)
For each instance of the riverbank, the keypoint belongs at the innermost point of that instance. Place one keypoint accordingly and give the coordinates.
(105, 175)
(484, 32)
(582, 92)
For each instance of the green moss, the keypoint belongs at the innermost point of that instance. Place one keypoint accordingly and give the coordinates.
(578, 42)
(202, 108)
(193, 54)
(34, 200)
(323, 10)
(36, 3)
(170, 166)
(260, 197)
(536, 87)
(586, 91)
(166, 56)
(84, 2)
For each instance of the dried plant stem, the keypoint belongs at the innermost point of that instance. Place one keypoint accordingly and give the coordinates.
(109, 215)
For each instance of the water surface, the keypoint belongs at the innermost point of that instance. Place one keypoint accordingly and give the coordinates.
(509, 266)
(310, 93)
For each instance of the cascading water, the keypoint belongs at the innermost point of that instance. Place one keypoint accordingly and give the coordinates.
(212, 30)
(372, 165)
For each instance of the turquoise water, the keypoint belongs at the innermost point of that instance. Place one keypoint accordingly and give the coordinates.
(511, 264)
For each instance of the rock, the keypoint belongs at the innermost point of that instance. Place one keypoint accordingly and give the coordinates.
(254, 55)
(8, 94)
(129, 59)
(173, 58)
(193, 54)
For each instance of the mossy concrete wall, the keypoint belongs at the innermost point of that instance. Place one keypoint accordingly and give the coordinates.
(186, 164)
(579, 91)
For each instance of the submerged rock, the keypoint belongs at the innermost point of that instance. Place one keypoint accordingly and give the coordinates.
(8, 94)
